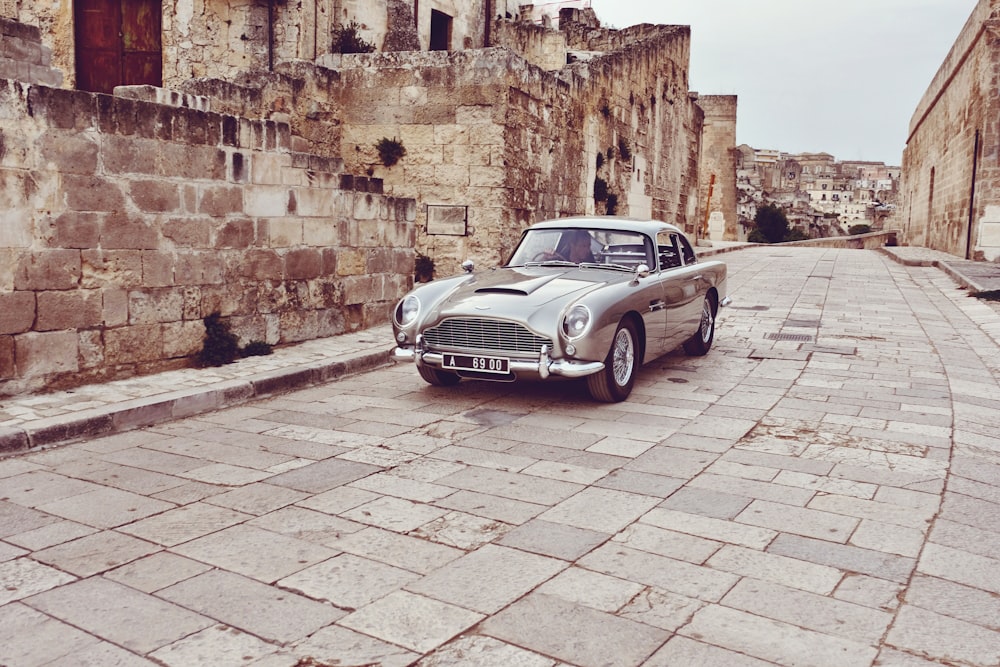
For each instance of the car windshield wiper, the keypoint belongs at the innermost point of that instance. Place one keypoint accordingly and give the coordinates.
(614, 267)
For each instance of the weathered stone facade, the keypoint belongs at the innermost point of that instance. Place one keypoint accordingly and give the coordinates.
(23, 56)
(717, 168)
(951, 178)
(495, 142)
(124, 222)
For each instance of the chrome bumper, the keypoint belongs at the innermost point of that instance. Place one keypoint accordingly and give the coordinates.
(543, 367)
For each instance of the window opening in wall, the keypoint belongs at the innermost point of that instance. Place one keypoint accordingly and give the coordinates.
(440, 31)
(117, 44)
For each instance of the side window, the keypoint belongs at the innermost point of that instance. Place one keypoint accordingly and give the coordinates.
(666, 251)
(687, 252)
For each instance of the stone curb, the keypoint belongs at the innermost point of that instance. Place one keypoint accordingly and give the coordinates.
(143, 412)
(955, 273)
(963, 280)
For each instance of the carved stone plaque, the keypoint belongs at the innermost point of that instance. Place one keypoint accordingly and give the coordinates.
(448, 220)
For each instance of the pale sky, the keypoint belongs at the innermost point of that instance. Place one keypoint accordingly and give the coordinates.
(836, 76)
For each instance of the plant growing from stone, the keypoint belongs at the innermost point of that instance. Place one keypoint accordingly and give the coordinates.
(346, 39)
(423, 268)
(256, 348)
(390, 151)
(220, 346)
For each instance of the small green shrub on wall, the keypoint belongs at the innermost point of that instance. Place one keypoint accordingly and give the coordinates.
(220, 346)
(390, 151)
(346, 39)
(423, 268)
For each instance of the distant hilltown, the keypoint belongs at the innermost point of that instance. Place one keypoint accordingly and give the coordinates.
(819, 195)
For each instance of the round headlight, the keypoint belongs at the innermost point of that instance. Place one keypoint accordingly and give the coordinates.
(408, 310)
(576, 322)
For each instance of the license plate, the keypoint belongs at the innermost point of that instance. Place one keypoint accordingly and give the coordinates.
(461, 362)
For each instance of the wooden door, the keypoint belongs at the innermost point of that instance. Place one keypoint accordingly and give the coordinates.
(117, 44)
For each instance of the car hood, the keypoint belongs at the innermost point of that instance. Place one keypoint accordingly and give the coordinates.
(520, 292)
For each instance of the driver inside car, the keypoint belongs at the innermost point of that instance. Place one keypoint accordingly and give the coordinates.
(573, 247)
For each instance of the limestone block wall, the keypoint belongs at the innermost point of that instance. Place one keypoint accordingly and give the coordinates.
(637, 99)
(718, 159)
(501, 143)
(299, 93)
(24, 57)
(941, 164)
(539, 46)
(124, 222)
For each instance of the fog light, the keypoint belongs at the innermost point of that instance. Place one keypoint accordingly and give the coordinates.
(401, 337)
(571, 349)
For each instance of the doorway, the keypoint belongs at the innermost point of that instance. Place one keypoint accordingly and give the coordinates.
(117, 44)
(440, 31)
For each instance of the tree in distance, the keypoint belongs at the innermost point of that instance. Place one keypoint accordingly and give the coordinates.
(770, 225)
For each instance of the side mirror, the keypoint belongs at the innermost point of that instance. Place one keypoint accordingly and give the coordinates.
(642, 270)
(468, 266)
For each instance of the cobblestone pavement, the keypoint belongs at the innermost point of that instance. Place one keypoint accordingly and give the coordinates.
(822, 489)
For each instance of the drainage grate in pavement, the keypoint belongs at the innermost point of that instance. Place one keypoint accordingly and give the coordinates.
(798, 338)
(748, 307)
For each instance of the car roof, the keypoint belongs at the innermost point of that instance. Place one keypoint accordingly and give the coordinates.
(618, 223)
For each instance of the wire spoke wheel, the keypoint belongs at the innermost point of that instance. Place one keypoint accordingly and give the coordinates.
(623, 357)
(615, 382)
(701, 342)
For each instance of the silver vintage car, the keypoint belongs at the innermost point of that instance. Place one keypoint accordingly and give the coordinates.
(585, 297)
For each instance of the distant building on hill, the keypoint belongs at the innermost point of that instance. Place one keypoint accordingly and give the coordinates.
(820, 196)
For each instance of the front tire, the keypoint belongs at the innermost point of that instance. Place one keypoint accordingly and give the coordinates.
(615, 382)
(700, 343)
(437, 377)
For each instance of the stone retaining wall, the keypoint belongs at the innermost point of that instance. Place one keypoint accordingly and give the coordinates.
(124, 222)
(950, 172)
(869, 241)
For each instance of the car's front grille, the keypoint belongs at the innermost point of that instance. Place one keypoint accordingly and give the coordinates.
(484, 334)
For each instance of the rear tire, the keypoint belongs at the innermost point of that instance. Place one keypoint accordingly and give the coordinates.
(437, 377)
(615, 382)
(700, 343)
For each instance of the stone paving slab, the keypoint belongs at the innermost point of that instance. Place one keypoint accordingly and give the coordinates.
(830, 502)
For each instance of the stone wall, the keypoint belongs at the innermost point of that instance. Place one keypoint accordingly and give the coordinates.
(541, 47)
(124, 222)
(718, 159)
(941, 166)
(24, 57)
(495, 143)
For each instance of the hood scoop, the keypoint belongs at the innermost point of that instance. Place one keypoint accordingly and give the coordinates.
(513, 283)
(502, 290)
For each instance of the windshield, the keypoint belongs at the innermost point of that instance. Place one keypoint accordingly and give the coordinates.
(573, 245)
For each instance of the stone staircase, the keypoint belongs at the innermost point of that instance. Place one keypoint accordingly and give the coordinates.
(23, 57)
